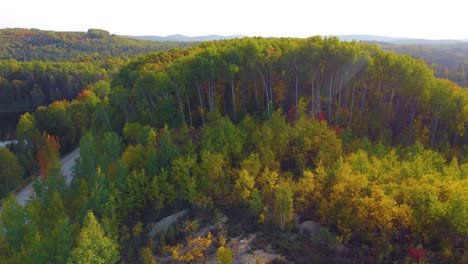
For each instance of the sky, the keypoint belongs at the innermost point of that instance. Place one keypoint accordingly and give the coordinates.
(429, 19)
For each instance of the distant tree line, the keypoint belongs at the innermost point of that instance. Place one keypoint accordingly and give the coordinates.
(449, 61)
(34, 44)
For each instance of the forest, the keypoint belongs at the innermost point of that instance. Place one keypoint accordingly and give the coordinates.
(34, 44)
(39, 67)
(449, 61)
(250, 136)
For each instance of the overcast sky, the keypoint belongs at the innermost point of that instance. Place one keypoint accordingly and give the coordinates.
(444, 19)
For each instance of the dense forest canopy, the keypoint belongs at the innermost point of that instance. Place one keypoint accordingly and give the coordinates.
(39, 67)
(376, 94)
(368, 144)
(27, 85)
(34, 44)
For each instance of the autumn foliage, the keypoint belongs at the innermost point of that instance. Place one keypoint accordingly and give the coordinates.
(48, 155)
(416, 254)
(355, 139)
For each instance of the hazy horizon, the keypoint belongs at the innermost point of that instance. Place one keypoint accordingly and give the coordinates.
(399, 19)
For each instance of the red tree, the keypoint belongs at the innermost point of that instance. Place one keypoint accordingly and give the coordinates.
(48, 155)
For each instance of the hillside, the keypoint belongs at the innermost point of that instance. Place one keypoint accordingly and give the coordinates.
(34, 44)
(449, 61)
(252, 140)
(447, 58)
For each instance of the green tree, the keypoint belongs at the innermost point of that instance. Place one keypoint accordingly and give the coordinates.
(26, 129)
(168, 151)
(101, 89)
(11, 171)
(12, 223)
(138, 190)
(87, 164)
(185, 184)
(223, 137)
(110, 149)
(55, 120)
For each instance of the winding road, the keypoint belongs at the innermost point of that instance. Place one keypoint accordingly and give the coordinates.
(67, 162)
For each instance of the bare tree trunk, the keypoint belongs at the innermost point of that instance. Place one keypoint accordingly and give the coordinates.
(340, 87)
(329, 99)
(266, 93)
(297, 94)
(312, 98)
(223, 98)
(201, 104)
(352, 106)
(455, 140)
(434, 129)
(190, 111)
(389, 118)
(233, 101)
(210, 97)
(413, 114)
(256, 92)
(363, 103)
(347, 97)
(271, 85)
(126, 113)
(181, 107)
(319, 98)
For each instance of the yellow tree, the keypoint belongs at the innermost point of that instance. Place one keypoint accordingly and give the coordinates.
(283, 207)
(92, 245)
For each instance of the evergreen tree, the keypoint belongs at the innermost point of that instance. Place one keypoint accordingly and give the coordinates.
(92, 245)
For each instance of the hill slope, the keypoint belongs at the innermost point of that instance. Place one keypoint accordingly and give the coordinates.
(34, 44)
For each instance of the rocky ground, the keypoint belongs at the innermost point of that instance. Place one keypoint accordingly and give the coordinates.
(306, 242)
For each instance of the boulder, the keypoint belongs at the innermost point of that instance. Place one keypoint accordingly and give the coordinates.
(340, 249)
(309, 228)
(163, 225)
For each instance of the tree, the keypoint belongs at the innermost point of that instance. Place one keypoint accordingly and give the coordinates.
(134, 157)
(283, 207)
(55, 120)
(223, 137)
(48, 157)
(101, 89)
(28, 137)
(11, 171)
(181, 171)
(146, 256)
(138, 190)
(110, 148)
(92, 245)
(87, 165)
(162, 190)
(244, 186)
(136, 133)
(168, 151)
(304, 191)
(195, 250)
(26, 129)
(225, 255)
(12, 223)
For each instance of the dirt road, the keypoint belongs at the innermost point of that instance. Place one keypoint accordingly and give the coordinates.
(66, 162)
